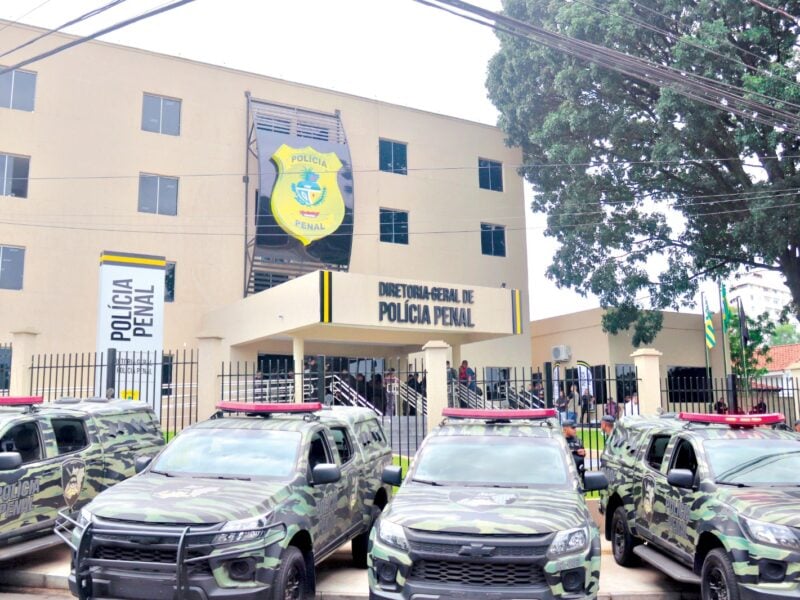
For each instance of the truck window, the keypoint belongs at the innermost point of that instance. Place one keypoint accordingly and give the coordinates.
(655, 453)
(318, 453)
(70, 434)
(25, 439)
(684, 457)
(343, 443)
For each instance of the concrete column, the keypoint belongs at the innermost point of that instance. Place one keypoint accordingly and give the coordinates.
(794, 374)
(298, 354)
(648, 370)
(209, 360)
(436, 366)
(23, 347)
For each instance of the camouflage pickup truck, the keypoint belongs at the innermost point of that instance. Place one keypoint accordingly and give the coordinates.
(492, 508)
(241, 506)
(708, 499)
(59, 456)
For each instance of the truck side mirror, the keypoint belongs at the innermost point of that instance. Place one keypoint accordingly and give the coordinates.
(141, 463)
(681, 478)
(325, 473)
(594, 481)
(10, 461)
(392, 475)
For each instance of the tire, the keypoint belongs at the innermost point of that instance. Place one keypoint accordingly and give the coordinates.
(717, 579)
(622, 540)
(291, 580)
(360, 543)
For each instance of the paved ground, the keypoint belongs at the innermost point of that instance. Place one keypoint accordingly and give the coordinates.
(337, 580)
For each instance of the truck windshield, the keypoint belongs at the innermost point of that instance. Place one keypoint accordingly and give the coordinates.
(754, 462)
(230, 453)
(491, 461)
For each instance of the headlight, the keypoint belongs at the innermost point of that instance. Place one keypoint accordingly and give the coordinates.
(244, 530)
(569, 542)
(770, 534)
(393, 534)
(84, 517)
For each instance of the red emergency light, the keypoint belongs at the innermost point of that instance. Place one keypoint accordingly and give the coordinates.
(21, 400)
(274, 408)
(499, 414)
(733, 420)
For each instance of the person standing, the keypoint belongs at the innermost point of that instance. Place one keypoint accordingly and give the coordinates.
(575, 445)
(562, 403)
(607, 425)
(721, 407)
(585, 405)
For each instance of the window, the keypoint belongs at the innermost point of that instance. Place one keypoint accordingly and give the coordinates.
(392, 157)
(12, 263)
(14, 175)
(490, 175)
(5, 369)
(655, 453)
(23, 438)
(493, 240)
(70, 435)
(158, 194)
(169, 282)
(319, 453)
(17, 90)
(394, 226)
(161, 115)
(684, 457)
(343, 443)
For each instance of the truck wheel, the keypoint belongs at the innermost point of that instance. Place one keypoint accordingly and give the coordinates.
(622, 540)
(291, 580)
(360, 543)
(717, 580)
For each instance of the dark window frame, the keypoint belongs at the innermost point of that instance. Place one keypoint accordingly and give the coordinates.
(680, 443)
(169, 281)
(391, 235)
(347, 442)
(158, 179)
(40, 445)
(73, 420)
(15, 105)
(490, 175)
(8, 179)
(390, 166)
(3, 248)
(493, 248)
(653, 440)
(161, 99)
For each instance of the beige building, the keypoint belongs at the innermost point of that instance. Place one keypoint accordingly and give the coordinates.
(109, 148)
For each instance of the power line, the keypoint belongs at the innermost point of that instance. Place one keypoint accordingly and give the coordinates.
(775, 9)
(22, 16)
(49, 32)
(119, 25)
(716, 94)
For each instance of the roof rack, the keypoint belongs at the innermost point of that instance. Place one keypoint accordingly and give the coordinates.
(493, 414)
(28, 402)
(267, 409)
(736, 421)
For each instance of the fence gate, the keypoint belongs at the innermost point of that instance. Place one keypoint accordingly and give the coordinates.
(5, 369)
(161, 379)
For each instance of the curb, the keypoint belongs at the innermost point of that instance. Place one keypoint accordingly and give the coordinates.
(29, 579)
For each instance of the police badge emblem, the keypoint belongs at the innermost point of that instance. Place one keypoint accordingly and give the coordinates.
(73, 473)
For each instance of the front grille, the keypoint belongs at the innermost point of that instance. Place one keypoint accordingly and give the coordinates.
(478, 574)
(151, 555)
(498, 551)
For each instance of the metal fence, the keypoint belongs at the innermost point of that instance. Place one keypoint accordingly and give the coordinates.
(732, 395)
(166, 381)
(5, 369)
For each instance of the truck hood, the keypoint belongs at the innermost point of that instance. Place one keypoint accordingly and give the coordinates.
(152, 498)
(770, 504)
(486, 510)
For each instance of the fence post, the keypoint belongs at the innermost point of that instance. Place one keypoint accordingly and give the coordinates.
(23, 343)
(548, 384)
(648, 369)
(299, 356)
(794, 375)
(111, 373)
(436, 373)
(209, 359)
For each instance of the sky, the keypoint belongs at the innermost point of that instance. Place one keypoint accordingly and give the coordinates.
(396, 51)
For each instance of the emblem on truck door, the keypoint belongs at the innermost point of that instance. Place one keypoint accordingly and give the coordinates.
(73, 472)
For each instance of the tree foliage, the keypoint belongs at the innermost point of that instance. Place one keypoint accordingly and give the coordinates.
(785, 333)
(755, 360)
(608, 155)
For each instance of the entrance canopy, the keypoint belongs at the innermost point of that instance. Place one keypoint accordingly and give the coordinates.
(339, 307)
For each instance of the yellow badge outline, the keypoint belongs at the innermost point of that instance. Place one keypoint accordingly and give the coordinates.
(324, 212)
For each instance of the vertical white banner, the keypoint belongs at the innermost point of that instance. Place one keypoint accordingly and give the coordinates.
(130, 319)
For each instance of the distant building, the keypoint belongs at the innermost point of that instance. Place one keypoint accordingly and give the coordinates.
(761, 291)
(779, 367)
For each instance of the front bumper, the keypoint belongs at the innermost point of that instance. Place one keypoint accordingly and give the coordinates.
(445, 567)
(147, 562)
(781, 591)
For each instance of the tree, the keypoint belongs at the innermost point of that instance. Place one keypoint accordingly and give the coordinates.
(785, 333)
(609, 156)
(756, 351)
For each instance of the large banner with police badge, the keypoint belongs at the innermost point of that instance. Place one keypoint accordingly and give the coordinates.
(130, 320)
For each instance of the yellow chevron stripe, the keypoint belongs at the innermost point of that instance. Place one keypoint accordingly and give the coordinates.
(131, 260)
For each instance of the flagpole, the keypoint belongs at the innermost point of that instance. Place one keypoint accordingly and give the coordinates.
(723, 322)
(705, 342)
(741, 335)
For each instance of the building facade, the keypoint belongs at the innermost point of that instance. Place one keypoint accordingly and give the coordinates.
(761, 291)
(105, 148)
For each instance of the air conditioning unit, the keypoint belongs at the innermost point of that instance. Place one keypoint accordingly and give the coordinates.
(561, 353)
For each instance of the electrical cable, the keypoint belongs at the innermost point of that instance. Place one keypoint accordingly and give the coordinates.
(22, 16)
(119, 25)
(74, 21)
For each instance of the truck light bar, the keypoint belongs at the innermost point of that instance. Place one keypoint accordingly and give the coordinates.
(21, 400)
(270, 407)
(499, 414)
(733, 420)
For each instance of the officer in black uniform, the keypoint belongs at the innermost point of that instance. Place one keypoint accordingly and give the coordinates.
(575, 444)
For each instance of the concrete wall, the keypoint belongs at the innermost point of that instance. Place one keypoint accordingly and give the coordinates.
(581, 331)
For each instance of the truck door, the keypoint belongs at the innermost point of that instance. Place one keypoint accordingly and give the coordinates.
(650, 520)
(352, 475)
(679, 501)
(326, 525)
(82, 465)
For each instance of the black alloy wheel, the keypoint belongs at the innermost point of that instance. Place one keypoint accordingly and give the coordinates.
(291, 580)
(718, 581)
(622, 540)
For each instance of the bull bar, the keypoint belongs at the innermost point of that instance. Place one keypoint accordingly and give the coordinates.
(65, 527)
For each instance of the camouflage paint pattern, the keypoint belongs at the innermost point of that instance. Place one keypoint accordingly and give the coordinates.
(681, 522)
(328, 514)
(530, 516)
(32, 495)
